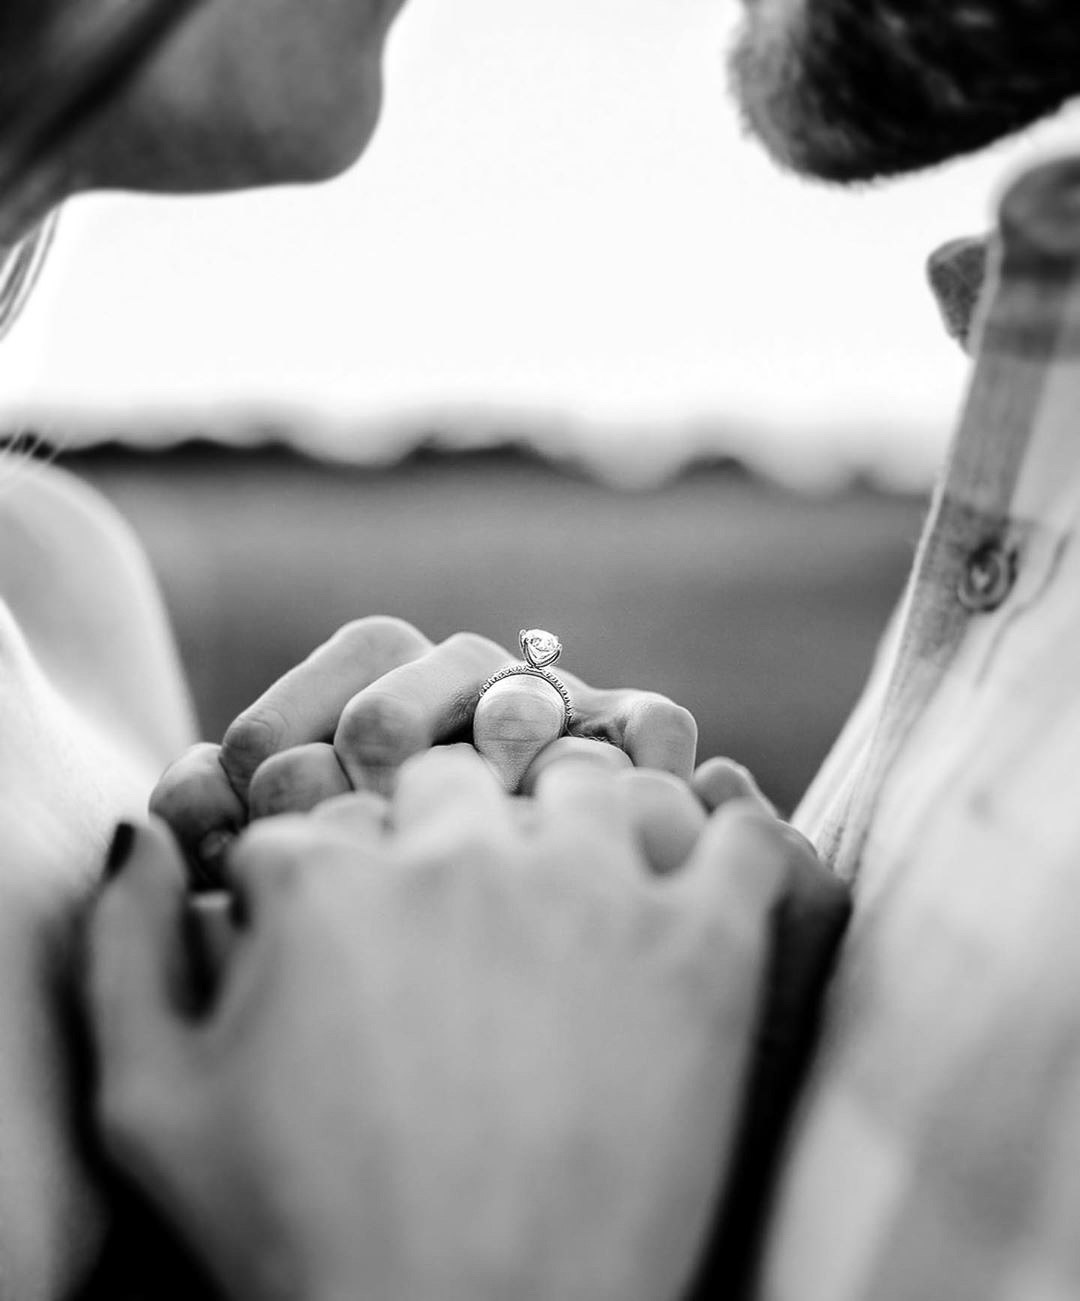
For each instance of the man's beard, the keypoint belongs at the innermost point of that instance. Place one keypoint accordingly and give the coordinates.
(850, 90)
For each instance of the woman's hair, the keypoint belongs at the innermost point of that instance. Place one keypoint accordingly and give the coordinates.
(19, 270)
(20, 266)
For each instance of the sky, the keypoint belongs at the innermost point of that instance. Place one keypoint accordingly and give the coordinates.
(559, 216)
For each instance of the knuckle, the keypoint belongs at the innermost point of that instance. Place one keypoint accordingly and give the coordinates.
(251, 738)
(571, 758)
(719, 781)
(724, 769)
(276, 783)
(381, 633)
(380, 729)
(282, 873)
(444, 763)
(437, 875)
(653, 787)
(722, 954)
(352, 804)
(764, 853)
(472, 648)
(660, 715)
(470, 852)
(272, 853)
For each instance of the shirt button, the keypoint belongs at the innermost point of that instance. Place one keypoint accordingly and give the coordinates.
(988, 578)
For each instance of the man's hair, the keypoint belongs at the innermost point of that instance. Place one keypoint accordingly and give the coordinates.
(853, 89)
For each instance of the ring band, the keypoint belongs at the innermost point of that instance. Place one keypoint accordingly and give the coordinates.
(538, 649)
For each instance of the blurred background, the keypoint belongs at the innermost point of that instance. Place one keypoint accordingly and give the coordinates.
(563, 350)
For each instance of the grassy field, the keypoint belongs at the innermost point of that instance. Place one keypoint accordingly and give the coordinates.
(756, 608)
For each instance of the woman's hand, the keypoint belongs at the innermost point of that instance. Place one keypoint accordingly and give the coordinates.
(462, 1046)
(379, 692)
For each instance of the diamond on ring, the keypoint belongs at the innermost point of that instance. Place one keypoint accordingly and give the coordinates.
(538, 649)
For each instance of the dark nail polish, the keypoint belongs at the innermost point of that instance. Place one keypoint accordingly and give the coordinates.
(120, 850)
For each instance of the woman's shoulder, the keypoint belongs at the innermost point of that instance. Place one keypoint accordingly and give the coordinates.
(78, 584)
(49, 514)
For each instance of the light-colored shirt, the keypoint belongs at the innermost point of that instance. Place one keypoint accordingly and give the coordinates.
(936, 1152)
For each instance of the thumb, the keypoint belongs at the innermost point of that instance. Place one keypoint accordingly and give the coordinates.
(137, 964)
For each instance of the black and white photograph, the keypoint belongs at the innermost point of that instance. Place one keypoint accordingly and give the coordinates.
(539, 650)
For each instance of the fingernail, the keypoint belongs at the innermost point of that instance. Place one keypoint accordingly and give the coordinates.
(123, 842)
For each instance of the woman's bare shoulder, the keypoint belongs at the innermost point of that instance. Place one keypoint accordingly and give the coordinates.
(80, 587)
(50, 503)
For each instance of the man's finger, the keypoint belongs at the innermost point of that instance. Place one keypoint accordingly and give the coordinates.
(362, 814)
(413, 707)
(267, 865)
(296, 781)
(583, 801)
(810, 924)
(450, 790)
(305, 704)
(737, 875)
(138, 975)
(575, 749)
(805, 928)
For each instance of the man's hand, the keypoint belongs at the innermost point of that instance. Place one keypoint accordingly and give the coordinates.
(379, 692)
(462, 1047)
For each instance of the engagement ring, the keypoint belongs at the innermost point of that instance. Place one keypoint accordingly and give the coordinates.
(538, 650)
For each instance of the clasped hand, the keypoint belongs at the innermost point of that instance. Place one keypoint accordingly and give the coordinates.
(461, 1047)
(457, 1044)
(379, 692)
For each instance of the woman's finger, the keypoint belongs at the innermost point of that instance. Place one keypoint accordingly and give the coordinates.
(653, 730)
(296, 781)
(515, 720)
(411, 708)
(196, 799)
(306, 703)
(657, 733)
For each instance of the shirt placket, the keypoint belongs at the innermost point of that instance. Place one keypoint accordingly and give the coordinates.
(978, 539)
